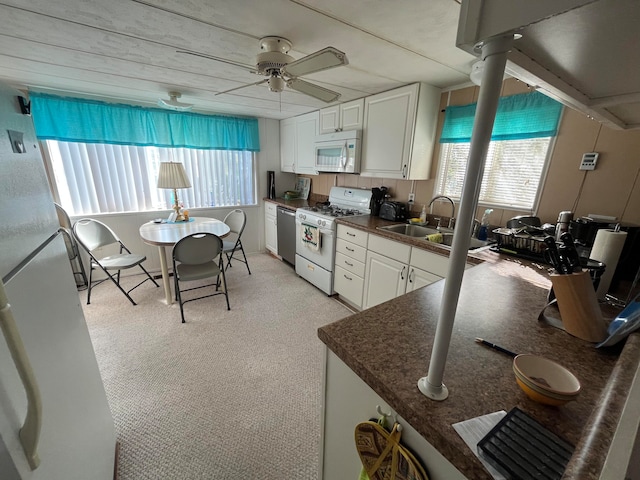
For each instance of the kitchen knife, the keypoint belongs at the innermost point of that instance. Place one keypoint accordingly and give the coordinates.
(554, 255)
(571, 253)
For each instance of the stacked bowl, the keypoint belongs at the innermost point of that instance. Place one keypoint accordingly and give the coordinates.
(545, 381)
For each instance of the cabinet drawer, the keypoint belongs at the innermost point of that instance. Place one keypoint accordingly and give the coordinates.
(351, 250)
(353, 235)
(350, 264)
(429, 261)
(396, 250)
(349, 286)
(270, 208)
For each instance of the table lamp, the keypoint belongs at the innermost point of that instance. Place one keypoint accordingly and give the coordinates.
(172, 175)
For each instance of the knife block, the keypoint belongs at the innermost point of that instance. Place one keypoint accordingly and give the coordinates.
(579, 310)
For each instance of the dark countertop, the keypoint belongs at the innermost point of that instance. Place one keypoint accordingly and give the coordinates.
(389, 347)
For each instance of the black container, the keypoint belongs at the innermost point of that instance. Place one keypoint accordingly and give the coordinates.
(271, 184)
(377, 197)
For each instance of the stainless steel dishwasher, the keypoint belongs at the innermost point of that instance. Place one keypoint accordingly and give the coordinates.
(287, 235)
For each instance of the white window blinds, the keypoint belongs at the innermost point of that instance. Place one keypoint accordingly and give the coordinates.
(103, 178)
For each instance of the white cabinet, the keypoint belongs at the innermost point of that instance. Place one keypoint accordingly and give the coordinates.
(271, 227)
(297, 141)
(288, 145)
(351, 252)
(399, 132)
(345, 116)
(419, 278)
(348, 400)
(387, 270)
(394, 268)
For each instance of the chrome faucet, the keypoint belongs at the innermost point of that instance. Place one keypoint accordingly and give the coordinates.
(453, 207)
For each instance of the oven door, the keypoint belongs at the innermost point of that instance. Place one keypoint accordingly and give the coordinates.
(324, 256)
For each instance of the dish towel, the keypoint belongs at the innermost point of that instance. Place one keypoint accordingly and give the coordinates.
(310, 237)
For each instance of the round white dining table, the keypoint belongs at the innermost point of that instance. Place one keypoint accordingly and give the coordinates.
(167, 234)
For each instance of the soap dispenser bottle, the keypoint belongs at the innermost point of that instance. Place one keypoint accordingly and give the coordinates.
(484, 225)
(423, 214)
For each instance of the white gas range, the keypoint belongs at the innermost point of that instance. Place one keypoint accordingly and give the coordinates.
(316, 230)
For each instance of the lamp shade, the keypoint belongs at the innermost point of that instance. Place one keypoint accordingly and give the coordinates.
(173, 175)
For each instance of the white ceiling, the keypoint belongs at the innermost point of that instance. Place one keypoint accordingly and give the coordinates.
(581, 52)
(126, 50)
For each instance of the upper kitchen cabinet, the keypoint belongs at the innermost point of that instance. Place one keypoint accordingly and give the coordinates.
(297, 138)
(346, 116)
(399, 132)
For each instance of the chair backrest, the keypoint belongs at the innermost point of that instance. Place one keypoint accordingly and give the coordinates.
(63, 217)
(197, 248)
(69, 240)
(236, 220)
(93, 234)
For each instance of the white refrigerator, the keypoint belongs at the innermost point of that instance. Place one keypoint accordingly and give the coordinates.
(44, 333)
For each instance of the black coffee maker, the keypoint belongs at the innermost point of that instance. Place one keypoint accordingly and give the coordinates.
(378, 194)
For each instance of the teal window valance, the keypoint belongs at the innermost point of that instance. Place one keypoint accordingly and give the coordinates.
(88, 121)
(527, 115)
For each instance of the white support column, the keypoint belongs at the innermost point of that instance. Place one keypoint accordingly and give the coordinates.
(494, 53)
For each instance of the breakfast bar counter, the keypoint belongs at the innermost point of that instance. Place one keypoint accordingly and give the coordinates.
(389, 347)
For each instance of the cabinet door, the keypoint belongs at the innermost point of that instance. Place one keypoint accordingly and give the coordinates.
(287, 144)
(348, 285)
(352, 115)
(388, 129)
(330, 119)
(420, 278)
(271, 233)
(306, 133)
(385, 279)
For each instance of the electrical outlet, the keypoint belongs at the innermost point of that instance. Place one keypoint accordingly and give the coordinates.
(412, 197)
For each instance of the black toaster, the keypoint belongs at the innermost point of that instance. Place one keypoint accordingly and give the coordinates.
(394, 211)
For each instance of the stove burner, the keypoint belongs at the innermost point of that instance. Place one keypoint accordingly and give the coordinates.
(332, 210)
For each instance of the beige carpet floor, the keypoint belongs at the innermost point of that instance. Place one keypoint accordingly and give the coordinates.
(228, 395)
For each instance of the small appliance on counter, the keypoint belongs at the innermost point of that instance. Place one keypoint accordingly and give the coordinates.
(378, 194)
(394, 211)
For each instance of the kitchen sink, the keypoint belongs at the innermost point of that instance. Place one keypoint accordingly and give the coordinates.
(418, 231)
(410, 230)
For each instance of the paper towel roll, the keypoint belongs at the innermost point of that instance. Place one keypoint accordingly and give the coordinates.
(607, 248)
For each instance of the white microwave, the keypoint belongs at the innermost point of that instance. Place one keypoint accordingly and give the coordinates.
(338, 152)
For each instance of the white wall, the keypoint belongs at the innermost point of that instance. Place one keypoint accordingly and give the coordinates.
(127, 225)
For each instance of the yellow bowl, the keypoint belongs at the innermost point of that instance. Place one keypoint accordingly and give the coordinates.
(545, 381)
(539, 397)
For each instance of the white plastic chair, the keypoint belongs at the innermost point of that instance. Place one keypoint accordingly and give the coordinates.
(196, 257)
(236, 220)
(92, 234)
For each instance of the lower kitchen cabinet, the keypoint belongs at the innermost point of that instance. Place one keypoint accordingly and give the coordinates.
(419, 278)
(351, 251)
(387, 269)
(348, 400)
(271, 227)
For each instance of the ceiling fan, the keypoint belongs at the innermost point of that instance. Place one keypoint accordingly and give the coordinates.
(283, 70)
(173, 103)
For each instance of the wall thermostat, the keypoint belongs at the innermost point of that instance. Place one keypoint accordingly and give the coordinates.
(589, 161)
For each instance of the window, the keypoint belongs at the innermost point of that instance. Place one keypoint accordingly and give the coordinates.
(104, 178)
(105, 157)
(517, 155)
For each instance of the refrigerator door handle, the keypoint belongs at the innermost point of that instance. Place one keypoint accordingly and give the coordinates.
(30, 432)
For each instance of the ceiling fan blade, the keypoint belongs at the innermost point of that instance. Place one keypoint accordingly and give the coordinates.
(321, 60)
(243, 86)
(219, 59)
(313, 90)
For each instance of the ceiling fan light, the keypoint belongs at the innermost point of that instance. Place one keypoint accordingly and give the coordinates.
(276, 84)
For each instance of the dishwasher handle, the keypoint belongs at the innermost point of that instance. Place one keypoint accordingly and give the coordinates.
(286, 211)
